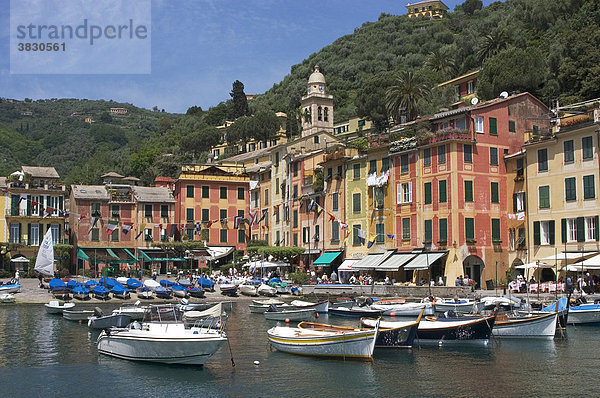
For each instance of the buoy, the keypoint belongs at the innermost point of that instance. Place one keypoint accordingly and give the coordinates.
(287, 320)
(256, 363)
(316, 314)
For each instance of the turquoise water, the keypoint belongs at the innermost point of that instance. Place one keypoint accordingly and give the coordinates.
(45, 355)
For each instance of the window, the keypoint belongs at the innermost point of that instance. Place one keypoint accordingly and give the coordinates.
(223, 236)
(385, 164)
(427, 157)
(340, 171)
(164, 211)
(591, 228)
(589, 188)
(189, 191)
(319, 114)
(379, 197)
(316, 139)
(34, 234)
(494, 156)
(317, 235)
(404, 164)
(295, 218)
(295, 239)
(241, 236)
(427, 193)
(495, 194)
(571, 229)
(222, 214)
(356, 168)
(469, 228)
(543, 232)
(15, 233)
(114, 236)
(406, 228)
(148, 211)
(468, 153)
(512, 128)
(276, 159)
(266, 197)
(295, 169)
(241, 194)
(493, 126)
(544, 197)
(519, 202)
(335, 231)
(356, 203)
(428, 231)
(468, 191)
(114, 211)
(460, 123)
(335, 201)
(495, 230)
(404, 193)
(373, 166)
(223, 192)
(95, 235)
(443, 191)
(355, 237)
(295, 192)
(189, 214)
(148, 234)
(205, 191)
(326, 114)
(479, 124)
(361, 123)
(277, 238)
(520, 168)
(205, 215)
(568, 151)
(441, 154)
(277, 215)
(380, 232)
(587, 146)
(189, 232)
(95, 209)
(521, 239)
(542, 160)
(443, 224)
(570, 189)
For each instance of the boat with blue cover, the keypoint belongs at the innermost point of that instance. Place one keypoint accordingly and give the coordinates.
(90, 284)
(133, 284)
(179, 291)
(197, 292)
(166, 283)
(59, 289)
(163, 292)
(72, 284)
(101, 292)
(81, 292)
(120, 291)
(185, 282)
(206, 284)
(107, 282)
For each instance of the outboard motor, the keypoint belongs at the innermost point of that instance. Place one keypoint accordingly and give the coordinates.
(98, 312)
(369, 301)
(272, 308)
(450, 314)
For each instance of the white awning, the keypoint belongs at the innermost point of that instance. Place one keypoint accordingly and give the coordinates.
(534, 265)
(394, 262)
(217, 252)
(568, 256)
(590, 263)
(264, 264)
(423, 261)
(372, 261)
(347, 265)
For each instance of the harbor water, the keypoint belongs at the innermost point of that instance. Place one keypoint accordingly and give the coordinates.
(46, 355)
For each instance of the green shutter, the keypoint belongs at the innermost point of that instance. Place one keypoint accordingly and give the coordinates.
(29, 234)
(28, 205)
(493, 126)
(514, 202)
(428, 230)
(536, 233)
(427, 193)
(551, 227)
(443, 191)
(443, 229)
(495, 194)
(469, 228)
(596, 218)
(511, 126)
(468, 191)
(563, 230)
(580, 229)
(495, 229)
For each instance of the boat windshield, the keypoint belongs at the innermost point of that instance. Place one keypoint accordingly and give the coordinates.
(163, 314)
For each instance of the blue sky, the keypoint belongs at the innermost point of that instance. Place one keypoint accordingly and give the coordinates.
(199, 47)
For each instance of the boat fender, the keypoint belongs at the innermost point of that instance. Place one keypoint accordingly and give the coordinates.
(369, 301)
(287, 320)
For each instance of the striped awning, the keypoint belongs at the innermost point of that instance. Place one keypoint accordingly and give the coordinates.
(423, 261)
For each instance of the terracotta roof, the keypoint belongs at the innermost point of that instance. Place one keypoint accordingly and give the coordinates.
(153, 194)
(40, 172)
(97, 192)
(248, 155)
(111, 174)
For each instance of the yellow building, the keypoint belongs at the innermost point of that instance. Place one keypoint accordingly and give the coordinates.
(4, 205)
(562, 176)
(433, 9)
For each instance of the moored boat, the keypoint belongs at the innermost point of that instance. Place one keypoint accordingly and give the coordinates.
(101, 292)
(403, 309)
(354, 312)
(350, 344)
(56, 307)
(81, 293)
(206, 284)
(145, 293)
(266, 290)
(321, 307)
(162, 337)
(133, 284)
(101, 321)
(11, 287)
(120, 291)
(268, 301)
(77, 315)
(163, 292)
(7, 298)
(133, 310)
(292, 315)
(459, 306)
(228, 289)
(584, 314)
(542, 326)
(262, 308)
(179, 291)
(196, 292)
(248, 290)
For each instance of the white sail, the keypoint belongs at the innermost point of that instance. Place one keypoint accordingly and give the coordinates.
(44, 263)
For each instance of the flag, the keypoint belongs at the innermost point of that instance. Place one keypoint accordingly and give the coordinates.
(80, 217)
(362, 236)
(265, 213)
(224, 223)
(319, 210)
(331, 217)
(94, 220)
(49, 211)
(127, 227)
(312, 205)
(112, 225)
(252, 217)
(21, 197)
(343, 225)
(236, 221)
(197, 228)
(208, 224)
(141, 231)
(173, 230)
(391, 236)
(372, 238)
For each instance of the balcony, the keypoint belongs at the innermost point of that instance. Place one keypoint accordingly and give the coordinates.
(431, 137)
(25, 213)
(41, 187)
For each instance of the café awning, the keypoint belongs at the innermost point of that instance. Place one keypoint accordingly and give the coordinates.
(534, 265)
(394, 262)
(81, 255)
(592, 263)
(326, 258)
(423, 261)
(372, 261)
(347, 265)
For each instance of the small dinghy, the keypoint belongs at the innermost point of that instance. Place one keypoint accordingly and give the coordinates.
(133, 284)
(101, 321)
(90, 284)
(56, 307)
(180, 291)
(77, 315)
(248, 290)
(355, 312)
(228, 289)
(266, 290)
(163, 292)
(206, 284)
(120, 291)
(145, 293)
(196, 292)
(151, 284)
(132, 309)
(321, 307)
(166, 283)
(7, 298)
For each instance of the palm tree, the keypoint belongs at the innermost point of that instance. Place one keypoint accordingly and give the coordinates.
(492, 44)
(402, 98)
(441, 60)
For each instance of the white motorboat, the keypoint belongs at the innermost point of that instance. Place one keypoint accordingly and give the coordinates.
(57, 307)
(543, 326)
(248, 290)
(145, 293)
(162, 337)
(78, 315)
(7, 298)
(459, 306)
(132, 309)
(351, 344)
(266, 290)
(407, 309)
(321, 307)
(261, 309)
(584, 314)
(267, 302)
(292, 315)
(12, 287)
(100, 321)
(210, 317)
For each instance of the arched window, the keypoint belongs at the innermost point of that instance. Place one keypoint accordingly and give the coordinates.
(326, 114)
(320, 114)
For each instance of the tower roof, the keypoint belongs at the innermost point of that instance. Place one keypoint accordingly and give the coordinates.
(316, 77)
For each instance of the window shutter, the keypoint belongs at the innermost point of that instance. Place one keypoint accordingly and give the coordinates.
(563, 230)
(60, 203)
(410, 192)
(536, 233)
(597, 235)
(29, 234)
(28, 205)
(20, 229)
(398, 193)
(514, 202)
(580, 229)
(493, 126)
(551, 227)
(524, 202)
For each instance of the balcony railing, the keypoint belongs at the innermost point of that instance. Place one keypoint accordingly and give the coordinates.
(41, 187)
(24, 213)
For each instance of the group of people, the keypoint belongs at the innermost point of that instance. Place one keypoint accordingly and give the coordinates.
(462, 281)
(322, 278)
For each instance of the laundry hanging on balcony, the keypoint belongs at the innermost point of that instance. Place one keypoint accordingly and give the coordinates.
(374, 181)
